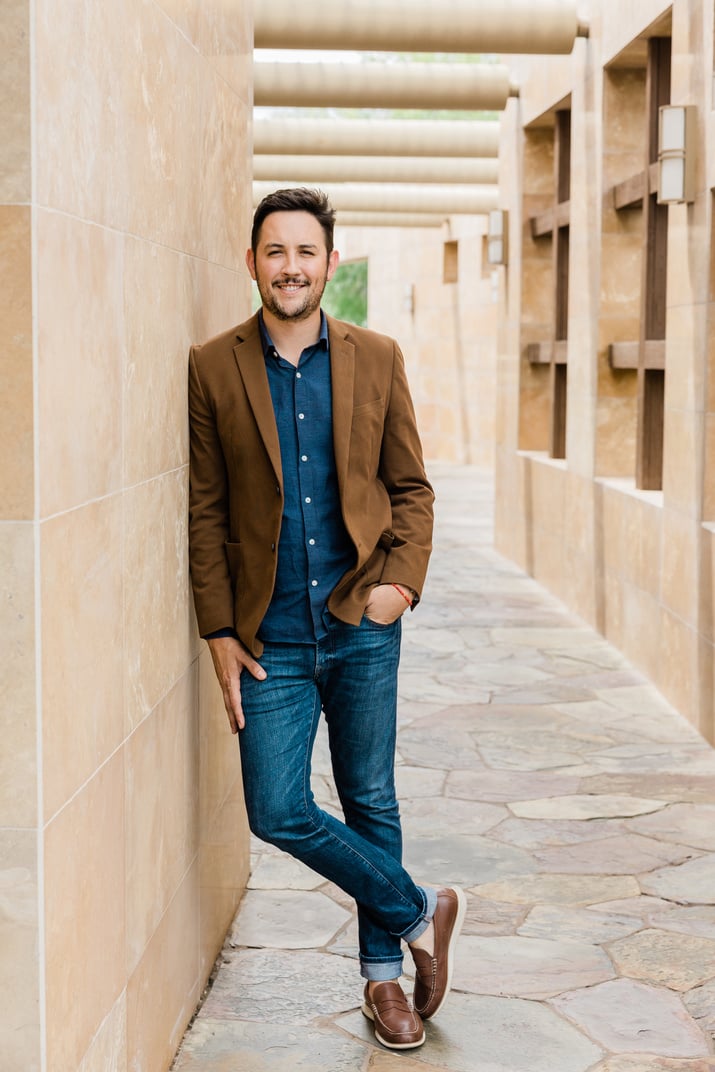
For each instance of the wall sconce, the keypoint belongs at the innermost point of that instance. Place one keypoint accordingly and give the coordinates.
(676, 154)
(497, 237)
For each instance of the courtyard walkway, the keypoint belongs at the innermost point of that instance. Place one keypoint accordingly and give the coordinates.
(542, 773)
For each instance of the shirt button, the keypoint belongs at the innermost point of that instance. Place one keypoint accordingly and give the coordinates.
(307, 498)
(304, 457)
(314, 584)
(297, 375)
(312, 543)
(301, 416)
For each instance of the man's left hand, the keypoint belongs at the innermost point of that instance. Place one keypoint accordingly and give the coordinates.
(386, 605)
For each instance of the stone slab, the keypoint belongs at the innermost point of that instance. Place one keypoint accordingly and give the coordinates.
(686, 824)
(582, 806)
(504, 786)
(577, 924)
(272, 986)
(528, 967)
(626, 1016)
(287, 919)
(489, 1034)
(624, 854)
(282, 873)
(665, 958)
(560, 889)
(689, 883)
(466, 861)
(226, 1046)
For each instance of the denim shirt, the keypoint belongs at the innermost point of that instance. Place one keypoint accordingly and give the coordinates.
(314, 549)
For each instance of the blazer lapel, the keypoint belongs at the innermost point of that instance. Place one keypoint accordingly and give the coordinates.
(252, 368)
(342, 372)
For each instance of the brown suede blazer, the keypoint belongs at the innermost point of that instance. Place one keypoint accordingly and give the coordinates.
(236, 493)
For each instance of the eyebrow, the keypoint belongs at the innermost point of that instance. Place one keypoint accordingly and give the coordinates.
(281, 245)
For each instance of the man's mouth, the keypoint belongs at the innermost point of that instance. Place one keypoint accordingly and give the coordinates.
(290, 288)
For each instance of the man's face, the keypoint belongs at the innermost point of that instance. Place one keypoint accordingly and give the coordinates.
(291, 265)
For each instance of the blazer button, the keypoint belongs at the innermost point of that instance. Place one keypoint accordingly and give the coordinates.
(273, 547)
(278, 489)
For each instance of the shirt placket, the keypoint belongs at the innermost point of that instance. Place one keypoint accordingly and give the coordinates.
(306, 483)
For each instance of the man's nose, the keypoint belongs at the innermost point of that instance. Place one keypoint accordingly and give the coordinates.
(290, 265)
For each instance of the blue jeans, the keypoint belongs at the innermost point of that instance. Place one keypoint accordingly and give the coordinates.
(351, 675)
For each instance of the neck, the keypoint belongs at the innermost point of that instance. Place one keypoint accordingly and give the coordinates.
(290, 337)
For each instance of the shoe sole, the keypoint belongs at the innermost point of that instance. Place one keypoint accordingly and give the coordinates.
(367, 1011)
(456, 930)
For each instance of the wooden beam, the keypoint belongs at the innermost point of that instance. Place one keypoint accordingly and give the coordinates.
(539, 353)
(629, 193)
(624, 355)
(546, 222)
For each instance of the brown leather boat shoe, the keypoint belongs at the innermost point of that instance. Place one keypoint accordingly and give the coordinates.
(433, 974)
(397, 1025)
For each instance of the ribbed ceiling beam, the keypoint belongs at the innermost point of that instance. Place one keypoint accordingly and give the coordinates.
(401, 197)
(503, 26)
(288, 170)
(390, 219)
(464, 86)
(376, 137)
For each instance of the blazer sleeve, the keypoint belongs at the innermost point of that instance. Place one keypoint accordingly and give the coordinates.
(411, 496)
(208, 511)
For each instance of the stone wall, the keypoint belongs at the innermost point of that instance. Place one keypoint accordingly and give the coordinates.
(124, 208)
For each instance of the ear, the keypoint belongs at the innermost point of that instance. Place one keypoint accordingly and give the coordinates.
(251, 263)
(333, 259)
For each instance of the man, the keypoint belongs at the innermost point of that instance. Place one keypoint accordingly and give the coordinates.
(310, 533)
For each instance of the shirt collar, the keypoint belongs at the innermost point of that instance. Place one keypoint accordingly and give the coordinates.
(269, 349)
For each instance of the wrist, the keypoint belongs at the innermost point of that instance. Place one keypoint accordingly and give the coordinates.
(407, 594)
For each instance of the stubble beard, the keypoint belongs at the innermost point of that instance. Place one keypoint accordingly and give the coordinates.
(311, 300)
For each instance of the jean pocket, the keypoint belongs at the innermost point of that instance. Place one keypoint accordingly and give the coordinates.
(370, 623)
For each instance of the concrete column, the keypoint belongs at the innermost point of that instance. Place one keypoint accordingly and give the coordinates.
(372, 197)
(506, 26)
(376, 137)
(288, 170)
(463, 86)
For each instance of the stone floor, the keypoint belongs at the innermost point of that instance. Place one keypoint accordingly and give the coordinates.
(542, 773)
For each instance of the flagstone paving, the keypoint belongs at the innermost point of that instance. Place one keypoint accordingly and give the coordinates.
(539, 770)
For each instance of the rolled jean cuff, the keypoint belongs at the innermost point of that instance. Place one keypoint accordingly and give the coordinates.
(430, 896)
(380, 971)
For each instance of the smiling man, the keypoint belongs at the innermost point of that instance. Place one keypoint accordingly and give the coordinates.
(310, 534)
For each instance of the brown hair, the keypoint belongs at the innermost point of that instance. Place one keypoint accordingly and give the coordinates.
(296, 199)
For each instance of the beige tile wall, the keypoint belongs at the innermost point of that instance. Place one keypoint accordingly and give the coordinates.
(123, 237)
(637, 564)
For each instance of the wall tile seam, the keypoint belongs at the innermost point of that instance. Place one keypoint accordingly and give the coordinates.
(131, 968)
(119, 232)
(248, 101)
(96, 500)
(43, 825)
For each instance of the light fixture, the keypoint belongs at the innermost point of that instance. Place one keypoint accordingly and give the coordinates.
(497, 237)
(676, 154)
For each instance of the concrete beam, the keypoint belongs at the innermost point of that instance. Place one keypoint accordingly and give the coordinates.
(459, 86)
(402, 197)
(504, 26)
(390, 219)
(376, 137)
(289, 170)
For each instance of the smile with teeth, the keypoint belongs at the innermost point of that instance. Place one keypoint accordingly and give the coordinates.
(290, 288)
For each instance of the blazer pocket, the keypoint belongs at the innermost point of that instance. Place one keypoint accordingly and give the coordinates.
(376, 406)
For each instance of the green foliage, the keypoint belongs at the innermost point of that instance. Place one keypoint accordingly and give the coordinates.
(346, 294)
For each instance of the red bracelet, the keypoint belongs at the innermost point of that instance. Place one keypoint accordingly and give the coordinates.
(407, 600)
